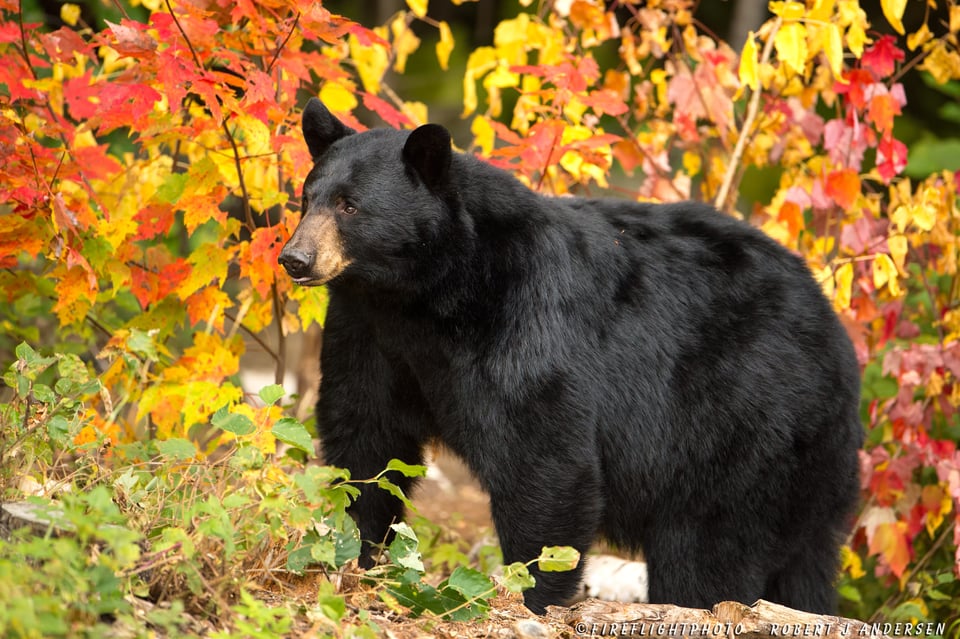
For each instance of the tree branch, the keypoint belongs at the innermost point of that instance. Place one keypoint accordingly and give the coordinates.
(725, 187)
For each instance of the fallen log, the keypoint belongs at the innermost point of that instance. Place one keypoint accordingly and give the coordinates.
(731, 620)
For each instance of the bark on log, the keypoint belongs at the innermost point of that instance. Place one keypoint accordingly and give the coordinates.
(729, 620)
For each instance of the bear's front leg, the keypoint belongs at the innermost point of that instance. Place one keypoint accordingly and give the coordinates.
(547, 502)
(370, 411)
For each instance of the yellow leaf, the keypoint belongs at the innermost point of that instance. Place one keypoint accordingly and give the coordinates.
(445, 45)
(851, 563)
(885, 274)
(924, 216)
(748, 64)
(404, 42)
(691, 163)
(822, 10)
(371, 62)
(833, 49)
(419, 7)
(824, 277)
(898, 250)
(337, 98)
(791, 44)
(416, 111)
(916, 39)
(856, 39)
(893, 12)
(844, 286)
(483, 134)
(480, 61)
(954, 18)
(255, 134)
(70, 13)
(502, 78)
(788, 10)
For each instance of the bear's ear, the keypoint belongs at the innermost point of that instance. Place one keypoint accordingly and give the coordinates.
(321, 128)
(427, 151)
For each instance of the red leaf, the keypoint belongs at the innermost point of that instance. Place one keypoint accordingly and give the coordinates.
(891, 157)
(154, 220)
(125, 105)
(606, 102)
(144, 285)
(390, 114)
(61, 44)
(882, 57)
(133, 41)
(81, 96)
(857, 81)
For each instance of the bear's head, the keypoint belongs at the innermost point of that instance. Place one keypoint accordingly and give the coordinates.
(374, 205)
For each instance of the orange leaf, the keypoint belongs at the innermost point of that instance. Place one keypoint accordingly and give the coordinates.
(791, 215)
(881, 111)
(74, 295)
(891, 543)
(844, 187)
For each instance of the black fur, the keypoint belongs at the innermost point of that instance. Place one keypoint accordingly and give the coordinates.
(659, 375)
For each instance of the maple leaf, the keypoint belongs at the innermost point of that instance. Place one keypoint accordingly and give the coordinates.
(891, 543)
(891, 158)
(132, 39)
(881, 58)
(881, 110)
(259, 259)
(390, 114)
(153, 220)
(843, 186)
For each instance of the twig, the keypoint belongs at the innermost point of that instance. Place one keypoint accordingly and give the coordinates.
(276, 55)
(723, 194)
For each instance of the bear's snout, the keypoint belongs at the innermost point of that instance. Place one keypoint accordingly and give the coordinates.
(297, 263)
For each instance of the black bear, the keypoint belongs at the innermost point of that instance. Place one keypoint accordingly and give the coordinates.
(659, 375)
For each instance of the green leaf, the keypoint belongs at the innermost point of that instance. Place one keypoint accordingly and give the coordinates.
(292, 433)
(142, 343)
(558, 558)
(270, 394)
(394, 490)
(470, 583)
(332, 605)
(44, 394)
(407, 470)
(299, 559)
(58, 428)
(347, 542)
(233, 422)
(404, 550)
(324, 551)
(517, 577)
(172, 188)
(177, 448)
(850, 593)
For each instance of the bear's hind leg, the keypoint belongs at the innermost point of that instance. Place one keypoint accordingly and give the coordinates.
(808, 580)
(700, 567)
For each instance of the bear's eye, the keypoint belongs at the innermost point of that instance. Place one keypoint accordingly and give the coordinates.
(346, 207)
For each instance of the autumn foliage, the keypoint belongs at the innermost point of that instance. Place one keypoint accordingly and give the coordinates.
(151, 171)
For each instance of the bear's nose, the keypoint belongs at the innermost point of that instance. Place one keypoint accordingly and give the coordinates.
(297, 263)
